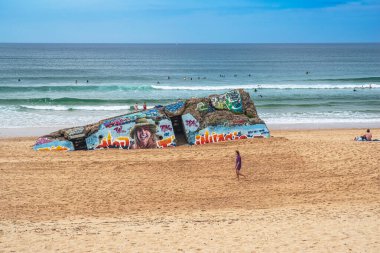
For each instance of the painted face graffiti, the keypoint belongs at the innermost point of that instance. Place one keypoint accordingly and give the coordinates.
(143, 133)
(144, 138)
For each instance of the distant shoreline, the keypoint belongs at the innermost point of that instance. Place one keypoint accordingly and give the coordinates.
(40, 131)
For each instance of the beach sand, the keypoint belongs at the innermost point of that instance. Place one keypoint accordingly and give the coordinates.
(306, 191)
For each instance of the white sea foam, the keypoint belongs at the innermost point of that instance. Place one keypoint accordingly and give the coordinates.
(224, 87)
(267, 86)
(46, 107)
(107, 107)
(83, 108)
(319, 121)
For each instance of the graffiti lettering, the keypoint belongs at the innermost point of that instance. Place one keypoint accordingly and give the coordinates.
(42, 140)
(119, 142)
(54, 148)
(214, 137)
(233, 101)
(54, 145)
(118, 129)
(191, 123)
(167, 142)
(202, 107)
(166, 128)
(219, 102)
(116, 122)
(152, 113)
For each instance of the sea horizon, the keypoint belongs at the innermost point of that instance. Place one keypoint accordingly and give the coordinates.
(198, 43)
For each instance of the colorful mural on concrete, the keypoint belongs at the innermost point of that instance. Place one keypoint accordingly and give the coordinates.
(128, 118)
(45, 144)
(226, 117)
(190, 123)
(146, 129)
(220, 133)
(175, 109)
(219, 102)
(233, 101)
(204, 107)
(224, 133)
(75, 132)
(229, 101)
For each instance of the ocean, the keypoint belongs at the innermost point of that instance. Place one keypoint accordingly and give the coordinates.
(63, 85)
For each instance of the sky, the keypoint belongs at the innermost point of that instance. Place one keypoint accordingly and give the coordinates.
(189, 21)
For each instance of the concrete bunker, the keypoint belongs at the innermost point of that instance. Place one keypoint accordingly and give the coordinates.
(226, 117)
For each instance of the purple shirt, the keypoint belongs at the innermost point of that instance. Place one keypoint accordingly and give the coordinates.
(238, 162)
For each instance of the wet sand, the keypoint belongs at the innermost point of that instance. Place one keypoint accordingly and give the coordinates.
(306, 191)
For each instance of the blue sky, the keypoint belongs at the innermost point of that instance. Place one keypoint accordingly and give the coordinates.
(189, 21)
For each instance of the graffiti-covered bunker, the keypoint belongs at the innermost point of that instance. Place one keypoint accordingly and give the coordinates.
(230, 116)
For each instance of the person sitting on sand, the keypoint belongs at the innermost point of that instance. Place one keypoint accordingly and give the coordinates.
(367, 136)
(238, 165)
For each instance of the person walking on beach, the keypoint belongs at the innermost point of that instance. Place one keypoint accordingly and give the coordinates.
(136, 107)
(238, 165)
(144, 106)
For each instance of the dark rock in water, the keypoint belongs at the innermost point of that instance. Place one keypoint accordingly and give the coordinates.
(225, 117)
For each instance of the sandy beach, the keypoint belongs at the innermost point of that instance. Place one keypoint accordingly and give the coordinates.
(306, 191)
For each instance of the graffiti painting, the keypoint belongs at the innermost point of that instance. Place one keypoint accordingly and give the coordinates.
(220, 133)
(233, 101)
(219, 102)
(134, 132)
(226, 117)
(144, 134)
(54, 145)
(175, 109)
(121, 120)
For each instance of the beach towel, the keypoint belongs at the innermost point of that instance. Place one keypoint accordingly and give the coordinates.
(359, 138)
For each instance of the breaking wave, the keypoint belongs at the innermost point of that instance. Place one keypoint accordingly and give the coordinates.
(74, 88)
(79, 101)
(267, 86)
(357, 79)
(147, 88)
(82, 108)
